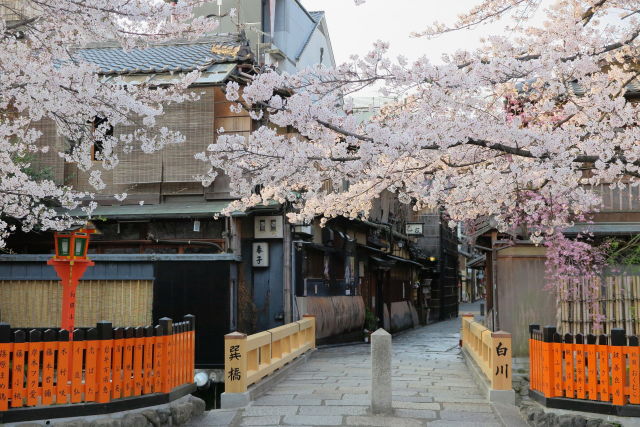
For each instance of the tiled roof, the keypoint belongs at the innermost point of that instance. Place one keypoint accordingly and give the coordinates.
(164, 58)
(317, 15)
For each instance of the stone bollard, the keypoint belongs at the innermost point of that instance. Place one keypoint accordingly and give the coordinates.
(381, 372)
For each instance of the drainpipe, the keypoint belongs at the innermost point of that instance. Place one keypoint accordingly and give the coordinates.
(295, 316)
(287, 257)
(494, 278)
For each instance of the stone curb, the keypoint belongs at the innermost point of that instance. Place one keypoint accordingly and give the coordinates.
(176, 413)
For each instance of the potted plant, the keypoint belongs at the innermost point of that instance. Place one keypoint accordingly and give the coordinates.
(370, 325)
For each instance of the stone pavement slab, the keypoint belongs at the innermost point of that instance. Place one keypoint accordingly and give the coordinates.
(430, 386)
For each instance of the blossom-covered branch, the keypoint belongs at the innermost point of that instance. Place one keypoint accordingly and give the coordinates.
(538, 115)
(44, 79)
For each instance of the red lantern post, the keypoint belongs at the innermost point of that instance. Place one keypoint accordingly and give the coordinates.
(70, 263)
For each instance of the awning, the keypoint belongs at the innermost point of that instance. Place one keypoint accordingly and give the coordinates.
(405, 260)
(606, 228)
(369, 248)
(162, 210)
(383, 263)
(319, 247)
(477, 262)
(216, 73)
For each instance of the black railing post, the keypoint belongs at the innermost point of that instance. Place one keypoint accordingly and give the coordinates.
(618, 337)
(533, 327)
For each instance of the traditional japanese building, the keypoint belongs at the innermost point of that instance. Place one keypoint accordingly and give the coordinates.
(161, 251)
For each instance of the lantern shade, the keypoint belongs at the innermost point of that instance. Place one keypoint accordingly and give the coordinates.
(80, 245)
(74, 244)
(63, 245)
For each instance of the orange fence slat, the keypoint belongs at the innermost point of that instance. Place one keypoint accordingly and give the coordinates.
(618, 366)
(557, 366)
(167, 363)
(569, 385)
(148, 360)
(64, 356)
(127, 363)
(103, 366)
(90, 374)
(158, 356)
(33, 368)
(138, 368)
(535, 381)
(548, 362)
(116, 364)
(165, 353)
(603, 368)
(185, 355)
(20, 349)
(176, 358)
(634, 370)
(177, 355)
(48, 364)
(592, 367)
(533, 356)
(192, 354)
(191, 348)
(5, 363)
(5, 354)
(581, 386)
(77, 384)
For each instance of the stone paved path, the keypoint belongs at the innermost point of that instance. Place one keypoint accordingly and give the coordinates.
(431, 386)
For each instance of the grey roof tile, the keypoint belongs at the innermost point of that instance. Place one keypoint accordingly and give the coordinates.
(177, 57)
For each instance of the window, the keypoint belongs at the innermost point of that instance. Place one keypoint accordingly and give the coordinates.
(101, 130)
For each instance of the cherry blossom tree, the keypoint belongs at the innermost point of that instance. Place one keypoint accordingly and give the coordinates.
(515, 130)
(43, 78)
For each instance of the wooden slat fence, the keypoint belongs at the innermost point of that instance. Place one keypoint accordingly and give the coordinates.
(600, 368)
(614, 299)
(101, 364)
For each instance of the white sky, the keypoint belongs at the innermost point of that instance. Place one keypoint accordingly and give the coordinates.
(354, 29)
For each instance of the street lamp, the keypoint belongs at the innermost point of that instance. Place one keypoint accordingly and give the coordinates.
(70, 262)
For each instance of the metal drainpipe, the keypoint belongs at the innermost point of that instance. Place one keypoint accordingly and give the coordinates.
(494, 285)
(287, 249)
(294, 316)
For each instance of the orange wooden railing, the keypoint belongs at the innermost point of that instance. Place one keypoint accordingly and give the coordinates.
(599, 368)
(99, 365)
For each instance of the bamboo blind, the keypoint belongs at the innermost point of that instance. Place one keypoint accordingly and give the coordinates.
(36, 303)
(15, 9)
(51, 159)
(194, 120)
(618, 304)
